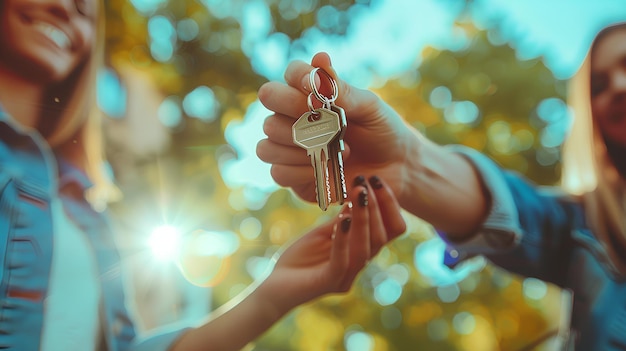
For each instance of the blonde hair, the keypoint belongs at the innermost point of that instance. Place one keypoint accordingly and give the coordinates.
(77, 133)
(587, 169)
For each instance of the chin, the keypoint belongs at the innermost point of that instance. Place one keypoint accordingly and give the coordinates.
(43, 71)
(38, 61)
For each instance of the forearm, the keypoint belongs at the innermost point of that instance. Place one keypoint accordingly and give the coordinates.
(233, 325)
(443, 188)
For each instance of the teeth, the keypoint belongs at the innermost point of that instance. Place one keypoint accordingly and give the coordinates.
(56, 35)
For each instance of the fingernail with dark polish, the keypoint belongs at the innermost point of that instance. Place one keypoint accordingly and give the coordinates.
(359, 180)
(375, 182)
(345, 224)
(363, 199)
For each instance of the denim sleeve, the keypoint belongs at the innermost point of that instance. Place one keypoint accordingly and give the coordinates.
(526, 230)
(500, 232)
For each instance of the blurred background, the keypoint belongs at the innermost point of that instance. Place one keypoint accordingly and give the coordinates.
(202, 217)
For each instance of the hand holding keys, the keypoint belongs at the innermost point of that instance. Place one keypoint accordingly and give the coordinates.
(320, 131)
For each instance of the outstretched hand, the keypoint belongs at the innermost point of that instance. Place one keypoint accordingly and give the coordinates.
(328, 258)
(377, 139)
(325, 260)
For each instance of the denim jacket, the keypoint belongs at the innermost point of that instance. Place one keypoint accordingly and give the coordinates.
(541, 233)
(29, 180)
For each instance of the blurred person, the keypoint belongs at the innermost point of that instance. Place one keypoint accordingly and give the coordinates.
(573, 235)
(61, 286)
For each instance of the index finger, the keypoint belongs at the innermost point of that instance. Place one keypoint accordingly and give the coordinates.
(282, 99)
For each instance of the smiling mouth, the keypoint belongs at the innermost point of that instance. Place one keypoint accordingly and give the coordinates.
(57, 36)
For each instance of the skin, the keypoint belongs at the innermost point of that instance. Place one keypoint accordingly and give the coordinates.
(379, 142)
(608, 86)
(43, 41)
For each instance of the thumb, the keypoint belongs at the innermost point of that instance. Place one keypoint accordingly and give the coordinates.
(356, 102)
(322, 60)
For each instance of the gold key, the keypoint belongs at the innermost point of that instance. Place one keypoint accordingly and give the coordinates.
(336, 159)
(314, 131)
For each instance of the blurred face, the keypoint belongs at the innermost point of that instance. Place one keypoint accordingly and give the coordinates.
(608, 85)
(45, 40)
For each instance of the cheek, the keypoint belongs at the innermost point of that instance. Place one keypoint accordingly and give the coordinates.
(612, 129)
(87, 32)
(599, 109)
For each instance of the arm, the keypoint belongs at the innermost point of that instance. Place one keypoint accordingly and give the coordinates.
(325, 260)
(430, 181)
(527, 229)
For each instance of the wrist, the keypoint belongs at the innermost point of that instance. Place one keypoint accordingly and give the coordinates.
(412, 171)
(273, 305)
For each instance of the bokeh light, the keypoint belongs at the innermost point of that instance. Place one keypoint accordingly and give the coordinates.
(165, 242)
(170, 113)
(464, 323)
(428, 258)
(112, 94)
(163, 38)
(440, 97)
(187, 29)
(534, 289)
(358, 341)
(465, 112)
(387, 292)
(201, 103)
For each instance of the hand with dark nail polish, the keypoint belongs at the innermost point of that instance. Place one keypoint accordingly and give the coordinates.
(375, 182)
(363, 198)
(359, 180)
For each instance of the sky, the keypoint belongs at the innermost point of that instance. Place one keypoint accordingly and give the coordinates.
(559, 30)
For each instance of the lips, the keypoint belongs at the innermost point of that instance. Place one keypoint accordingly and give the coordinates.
(57, 36)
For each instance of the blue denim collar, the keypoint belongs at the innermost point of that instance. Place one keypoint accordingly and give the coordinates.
(68, 174)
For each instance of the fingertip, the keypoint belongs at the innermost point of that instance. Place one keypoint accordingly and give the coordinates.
(344, 218)
(347, 208)
(264, 91)
(363, 198)
(375, 182)
(321, 58)
(359, 180)
(389, 207)
(323, 61)
(345, 223)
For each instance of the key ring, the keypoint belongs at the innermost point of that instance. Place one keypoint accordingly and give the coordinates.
(325, 100)
(314, 114)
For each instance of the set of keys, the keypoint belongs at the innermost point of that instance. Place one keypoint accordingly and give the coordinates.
(320, 132)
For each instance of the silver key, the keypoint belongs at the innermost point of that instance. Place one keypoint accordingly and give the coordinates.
(336, 158)
(314, 131)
